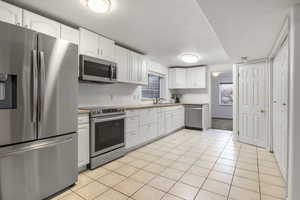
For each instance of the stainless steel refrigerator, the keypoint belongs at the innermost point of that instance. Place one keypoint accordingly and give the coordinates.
(38, 114)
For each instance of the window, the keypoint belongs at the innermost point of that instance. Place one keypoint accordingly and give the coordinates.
(152, 90)
(225, 94)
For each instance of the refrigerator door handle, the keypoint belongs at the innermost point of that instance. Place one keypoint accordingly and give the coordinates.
(35, 147)
(34, 85)
(42, 79)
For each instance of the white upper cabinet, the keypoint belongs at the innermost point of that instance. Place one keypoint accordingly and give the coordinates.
(122, 60)
(69, 34)
(144, 72)
(107, 48)
(94, 45)
(10, 14)
(177, 78)
(132, 67)
(189, 78)
(41, 24)
(196, 77)
(88, 43)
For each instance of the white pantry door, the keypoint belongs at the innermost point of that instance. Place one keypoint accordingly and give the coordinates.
(280, 107)
(253, 103)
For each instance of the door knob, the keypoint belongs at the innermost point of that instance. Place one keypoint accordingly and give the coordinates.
(262, 111)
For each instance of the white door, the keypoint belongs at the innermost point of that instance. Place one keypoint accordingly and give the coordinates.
(171, 77)
(88, 43)
(280, 107)
(10, 14)
(122, 60)
(41, 24)
(107, 49)
(133, 67)
(180, 79)
(253, 103)
(144, 72)
(69, 34)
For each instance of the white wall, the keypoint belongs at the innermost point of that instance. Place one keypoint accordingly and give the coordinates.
(91, 94)
(294, 150)
(220, 111)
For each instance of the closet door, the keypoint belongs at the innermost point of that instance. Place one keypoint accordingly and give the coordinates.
(280, 107)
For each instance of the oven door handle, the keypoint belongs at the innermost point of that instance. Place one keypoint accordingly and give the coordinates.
(96, 120)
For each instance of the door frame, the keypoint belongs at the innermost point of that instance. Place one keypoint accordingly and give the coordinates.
(210, 81)
(236, 98)
(283, 36)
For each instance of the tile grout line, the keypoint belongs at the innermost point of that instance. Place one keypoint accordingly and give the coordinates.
(235, 167)
(211, 169)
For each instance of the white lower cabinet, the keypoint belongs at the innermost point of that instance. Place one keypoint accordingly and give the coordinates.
(161, 128)
(83, 140)
(145, 125)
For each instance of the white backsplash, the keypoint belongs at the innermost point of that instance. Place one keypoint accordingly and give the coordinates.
(91, 94)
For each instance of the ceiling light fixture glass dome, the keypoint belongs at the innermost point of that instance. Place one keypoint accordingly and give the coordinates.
(99, 6)
(190, 58)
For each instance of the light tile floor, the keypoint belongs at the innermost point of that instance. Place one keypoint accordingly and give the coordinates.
(187, 165)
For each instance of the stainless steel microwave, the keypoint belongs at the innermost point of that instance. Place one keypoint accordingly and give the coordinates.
(97, 70)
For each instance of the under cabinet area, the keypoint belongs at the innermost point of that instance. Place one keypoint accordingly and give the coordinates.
(83, 140)
(146, 125)
(187, 78)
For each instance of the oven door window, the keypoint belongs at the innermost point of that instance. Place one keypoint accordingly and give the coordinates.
(96, 69)
(108, 134)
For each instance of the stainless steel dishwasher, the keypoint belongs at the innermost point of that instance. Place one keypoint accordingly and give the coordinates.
(193, 116)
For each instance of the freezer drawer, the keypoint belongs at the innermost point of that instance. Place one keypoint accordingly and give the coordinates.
(36, 170)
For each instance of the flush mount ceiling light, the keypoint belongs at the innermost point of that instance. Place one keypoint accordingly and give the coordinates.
(99, 6)
(216, 74)
(190, 58)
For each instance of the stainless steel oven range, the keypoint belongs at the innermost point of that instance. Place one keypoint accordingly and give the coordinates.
(107, 135)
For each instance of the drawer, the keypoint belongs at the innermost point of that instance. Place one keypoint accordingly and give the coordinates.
(83, 119)
(130, 113)
(132, 123)
(83, 127)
